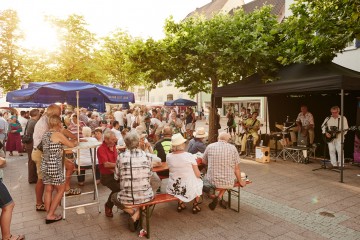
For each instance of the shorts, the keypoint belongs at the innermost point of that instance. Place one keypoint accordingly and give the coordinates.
(36, 156)
(5, 197)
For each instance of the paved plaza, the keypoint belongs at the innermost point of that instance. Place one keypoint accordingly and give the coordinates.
(285, 200)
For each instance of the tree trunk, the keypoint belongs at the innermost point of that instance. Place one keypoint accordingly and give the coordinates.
(213, 131)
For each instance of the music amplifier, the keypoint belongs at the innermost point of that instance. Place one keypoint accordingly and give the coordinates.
(262, 154)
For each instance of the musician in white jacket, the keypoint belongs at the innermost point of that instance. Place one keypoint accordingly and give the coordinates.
(331, 128)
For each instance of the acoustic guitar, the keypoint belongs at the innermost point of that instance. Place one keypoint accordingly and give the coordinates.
(333, 131)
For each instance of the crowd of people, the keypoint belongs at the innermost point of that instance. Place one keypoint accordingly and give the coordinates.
(131, 143)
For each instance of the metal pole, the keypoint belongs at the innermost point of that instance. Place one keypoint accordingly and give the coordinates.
(342, 138)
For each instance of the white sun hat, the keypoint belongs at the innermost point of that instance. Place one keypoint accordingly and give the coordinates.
(177, 139)
(200, 133)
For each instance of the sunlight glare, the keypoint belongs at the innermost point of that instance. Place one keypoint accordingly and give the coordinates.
(39, 34)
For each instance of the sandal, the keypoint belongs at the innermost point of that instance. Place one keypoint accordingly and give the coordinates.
(72, 192)
(49, 221)
(17, 237)
(196, 208)
(181, 206)
(40, 207)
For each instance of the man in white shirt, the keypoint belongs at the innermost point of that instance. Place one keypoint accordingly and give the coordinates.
(119, 116)
(157, 127)
(129, 116)
(331, 128)
(23, 121)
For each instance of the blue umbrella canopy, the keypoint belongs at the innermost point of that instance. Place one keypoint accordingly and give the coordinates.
(90, 95)
(180, 102)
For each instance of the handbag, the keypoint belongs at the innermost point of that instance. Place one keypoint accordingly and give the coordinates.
(26, 138)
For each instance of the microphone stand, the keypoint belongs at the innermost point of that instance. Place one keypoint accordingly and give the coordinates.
(324, 160)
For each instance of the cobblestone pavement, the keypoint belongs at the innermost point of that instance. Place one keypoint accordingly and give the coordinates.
(286, 200)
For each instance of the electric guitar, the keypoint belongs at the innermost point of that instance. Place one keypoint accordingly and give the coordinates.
(333, 131)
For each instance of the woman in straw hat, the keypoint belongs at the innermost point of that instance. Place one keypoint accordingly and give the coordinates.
(197, 143)
(184, 175)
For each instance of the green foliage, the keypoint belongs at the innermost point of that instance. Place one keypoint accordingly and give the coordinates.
(113, 60)
(205, 53)
(318, 30)
(75, 58)
(10, 51)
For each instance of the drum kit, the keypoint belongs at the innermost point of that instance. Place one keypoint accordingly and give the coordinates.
(282, 135)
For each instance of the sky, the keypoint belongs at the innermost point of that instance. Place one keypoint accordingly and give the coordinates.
(141, 18)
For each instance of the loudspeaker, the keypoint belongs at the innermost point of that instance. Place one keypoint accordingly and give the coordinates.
(218, 102)
(262, 154)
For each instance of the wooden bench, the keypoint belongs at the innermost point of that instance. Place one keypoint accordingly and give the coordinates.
(235, 191)
(148, 208)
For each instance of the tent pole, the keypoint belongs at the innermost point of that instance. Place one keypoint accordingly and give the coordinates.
(78, 116)
(266, 115)
(342, 138)
(78, 129)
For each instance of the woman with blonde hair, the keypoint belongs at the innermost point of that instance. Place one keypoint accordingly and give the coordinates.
(52, 166)
(184, 175)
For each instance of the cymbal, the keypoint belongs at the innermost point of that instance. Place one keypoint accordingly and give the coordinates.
(279, 126)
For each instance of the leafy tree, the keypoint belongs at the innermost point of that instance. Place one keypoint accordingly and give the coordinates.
(204, 54)
(10, 51)
(318, 30)
(113, 59)
(75, 59)
(40, 66)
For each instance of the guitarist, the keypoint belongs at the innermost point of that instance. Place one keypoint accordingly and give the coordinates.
(331, 128)
(251, 126)
(305, 126)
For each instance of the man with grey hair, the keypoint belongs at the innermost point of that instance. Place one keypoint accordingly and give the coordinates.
(222, 160)
(137, 181)
(107, 155)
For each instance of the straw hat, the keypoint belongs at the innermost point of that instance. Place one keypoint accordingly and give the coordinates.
(177, 139)
(200, 133)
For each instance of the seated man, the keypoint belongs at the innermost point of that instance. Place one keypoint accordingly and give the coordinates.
(222, 160)
(107, 156)
(163, 146)
(136, 181)
(197, 143)
(251, 127)
(305, 127)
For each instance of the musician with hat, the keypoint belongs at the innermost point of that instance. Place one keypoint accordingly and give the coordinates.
(251, 126)
(331, 128)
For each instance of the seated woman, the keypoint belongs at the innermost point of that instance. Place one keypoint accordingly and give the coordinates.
(137, 181)
(52, 166)
(84, 160)
(197, 143)
(184, 175)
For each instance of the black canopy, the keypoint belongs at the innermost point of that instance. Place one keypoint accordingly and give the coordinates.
(319, 84)
(296, 78)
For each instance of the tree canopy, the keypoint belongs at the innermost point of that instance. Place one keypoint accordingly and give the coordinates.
(10, 51)
(318, 30)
